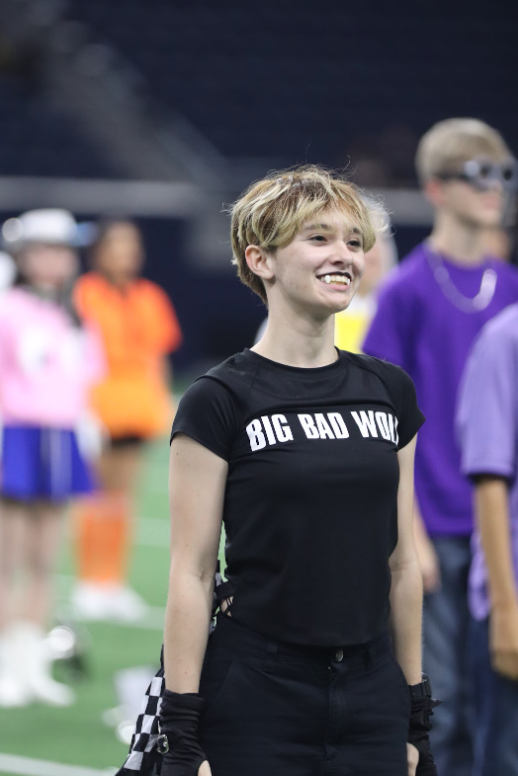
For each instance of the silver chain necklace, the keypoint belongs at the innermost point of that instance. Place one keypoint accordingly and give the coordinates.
(464, 303)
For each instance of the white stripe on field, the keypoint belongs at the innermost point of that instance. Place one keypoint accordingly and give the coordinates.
(26, 766)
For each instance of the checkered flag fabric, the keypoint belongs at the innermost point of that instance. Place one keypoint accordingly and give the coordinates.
(143, 757)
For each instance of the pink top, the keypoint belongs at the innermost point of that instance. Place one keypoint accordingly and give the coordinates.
(46, 364)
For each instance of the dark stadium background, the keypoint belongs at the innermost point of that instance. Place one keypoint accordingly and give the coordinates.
(213, 94)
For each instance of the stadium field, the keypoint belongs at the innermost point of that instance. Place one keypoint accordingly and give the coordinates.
(44, 741)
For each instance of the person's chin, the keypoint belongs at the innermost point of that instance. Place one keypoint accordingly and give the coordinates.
(337, 303)
(492, 219)
(487, 219)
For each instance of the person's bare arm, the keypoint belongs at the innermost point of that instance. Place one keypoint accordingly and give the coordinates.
(197, 479)
(428, 558)
(492, 510)
(406, 595)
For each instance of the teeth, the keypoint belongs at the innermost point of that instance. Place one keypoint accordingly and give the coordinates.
(346, 281)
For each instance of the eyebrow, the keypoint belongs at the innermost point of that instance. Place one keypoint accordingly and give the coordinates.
(328, 228)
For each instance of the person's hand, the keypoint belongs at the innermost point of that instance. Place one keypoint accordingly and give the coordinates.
(178, 727)
(182, 769)
(429, 562)
(503, 640)
(412, 756)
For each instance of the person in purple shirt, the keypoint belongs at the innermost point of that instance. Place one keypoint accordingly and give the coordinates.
(429, 313)
(488, 426)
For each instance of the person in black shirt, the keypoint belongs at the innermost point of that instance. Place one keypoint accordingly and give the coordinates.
(305, 453)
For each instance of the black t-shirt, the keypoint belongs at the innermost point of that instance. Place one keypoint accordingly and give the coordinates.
(310, 507)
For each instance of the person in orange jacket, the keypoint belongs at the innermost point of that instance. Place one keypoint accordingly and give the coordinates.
(139, 328)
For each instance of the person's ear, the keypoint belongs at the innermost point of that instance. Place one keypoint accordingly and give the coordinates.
(259, 262)
(434, 191)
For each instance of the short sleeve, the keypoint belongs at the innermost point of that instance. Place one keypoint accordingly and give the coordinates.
(168, 334)
(389, 333)
(487, 411)
(410, 416)
(208, 414)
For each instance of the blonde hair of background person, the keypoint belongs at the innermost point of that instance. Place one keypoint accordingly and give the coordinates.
(352, 323)
(298, 241)
(453, 141)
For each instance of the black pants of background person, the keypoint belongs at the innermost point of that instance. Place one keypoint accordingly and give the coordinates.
(279, 710)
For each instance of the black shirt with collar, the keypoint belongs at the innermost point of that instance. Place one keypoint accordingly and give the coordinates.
(310, 508)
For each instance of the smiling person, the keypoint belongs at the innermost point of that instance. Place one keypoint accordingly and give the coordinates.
(305, 453)
(429, 313)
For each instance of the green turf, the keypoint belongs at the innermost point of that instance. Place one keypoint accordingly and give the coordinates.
(77, 735)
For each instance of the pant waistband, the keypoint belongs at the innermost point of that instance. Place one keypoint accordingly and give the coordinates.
(236, 635)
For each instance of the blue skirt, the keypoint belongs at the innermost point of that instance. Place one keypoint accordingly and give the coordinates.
(42, 463)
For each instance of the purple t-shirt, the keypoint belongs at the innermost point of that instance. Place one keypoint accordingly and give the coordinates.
(419, 328)
(488, 429)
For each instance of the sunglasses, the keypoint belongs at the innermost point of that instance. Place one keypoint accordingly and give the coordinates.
(483, 173)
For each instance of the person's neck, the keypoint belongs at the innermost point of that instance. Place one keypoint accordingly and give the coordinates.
(459, 241)
(297, 341)
(121, 282)
(49, 291)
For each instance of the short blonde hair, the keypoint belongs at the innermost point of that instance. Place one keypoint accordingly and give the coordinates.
(271, 212)
(451, 142)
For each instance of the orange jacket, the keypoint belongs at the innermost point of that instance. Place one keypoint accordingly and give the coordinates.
(139, 327)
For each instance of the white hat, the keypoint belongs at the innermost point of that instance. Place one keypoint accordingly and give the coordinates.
(51, 226)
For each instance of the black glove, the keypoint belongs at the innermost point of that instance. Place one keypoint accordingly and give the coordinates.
(420, 725)
(178, 739)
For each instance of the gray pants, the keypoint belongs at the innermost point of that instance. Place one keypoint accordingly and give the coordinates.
(446, 639)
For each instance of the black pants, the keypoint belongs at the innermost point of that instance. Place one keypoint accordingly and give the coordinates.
(279, 710)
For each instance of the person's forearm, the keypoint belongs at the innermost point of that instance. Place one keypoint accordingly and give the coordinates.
(406, 600)
(419, 526)
(492, 508)
(186, 629)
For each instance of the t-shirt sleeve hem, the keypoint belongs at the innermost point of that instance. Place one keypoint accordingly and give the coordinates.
(408, 436)
(221, 453)
(496, 468)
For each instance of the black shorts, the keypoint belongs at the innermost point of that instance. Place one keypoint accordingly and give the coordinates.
(274, 709)
(278, 710)
(130, 440)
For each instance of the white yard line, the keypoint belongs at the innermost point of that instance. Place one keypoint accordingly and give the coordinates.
(26, 766)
